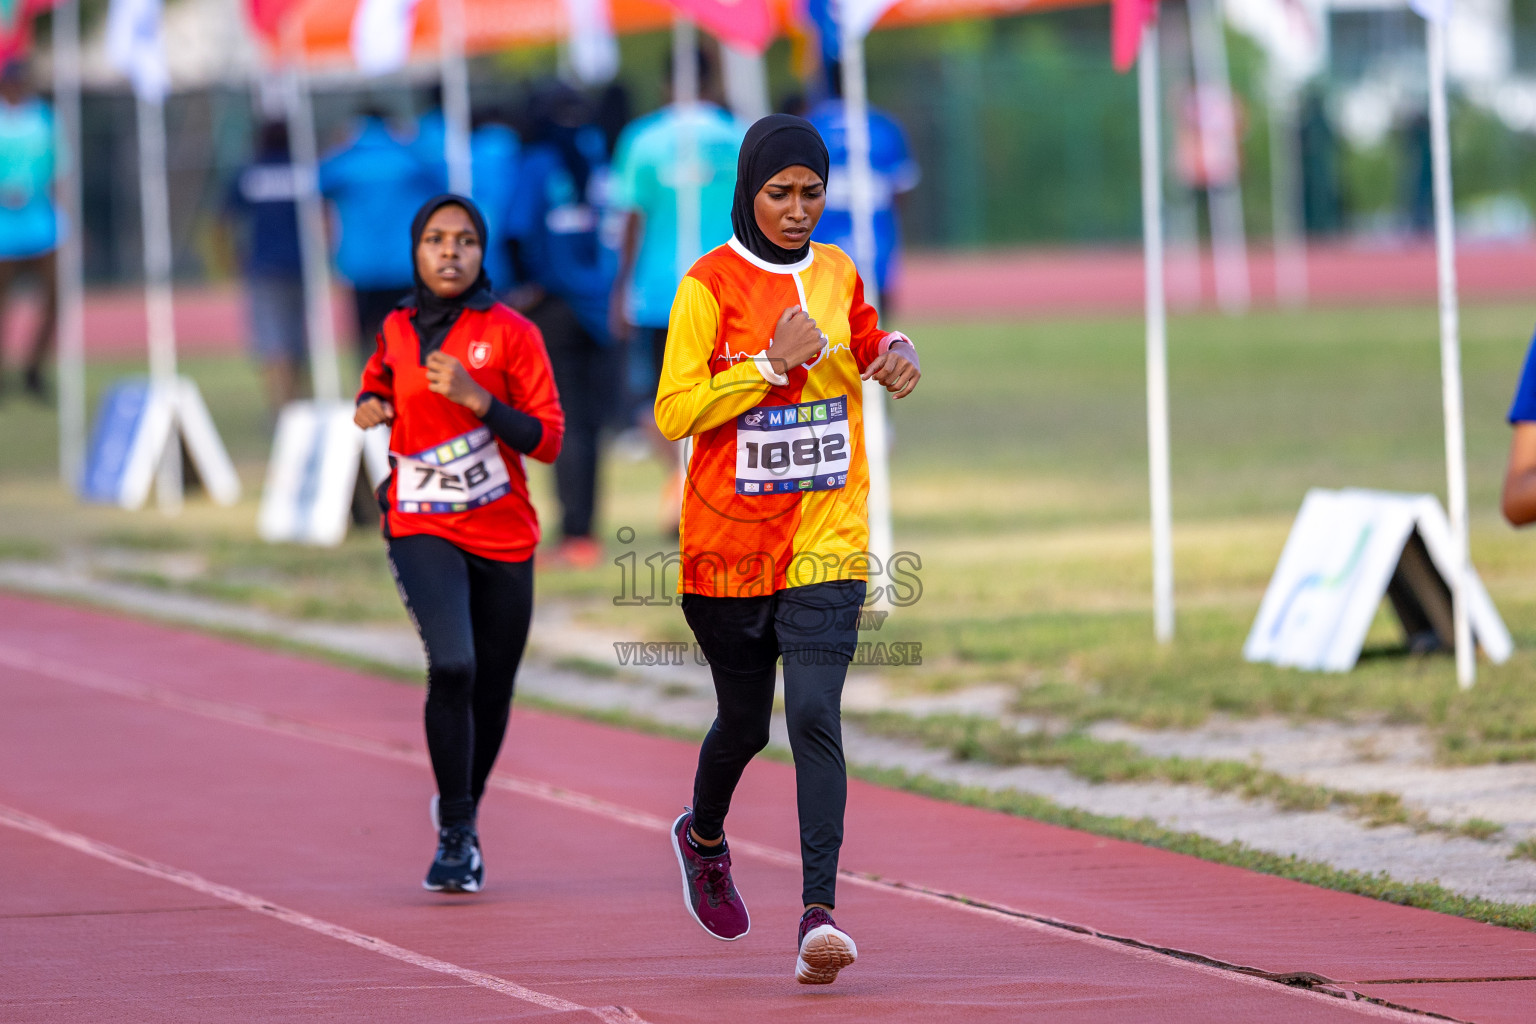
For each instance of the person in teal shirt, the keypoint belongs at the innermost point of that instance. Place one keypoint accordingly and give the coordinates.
(28, 220)
(648, 176)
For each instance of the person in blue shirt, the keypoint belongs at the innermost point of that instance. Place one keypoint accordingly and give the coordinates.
(263, 204)
(1518, 502)
(565, 273)
(894, 173)
(28, 220)
(495, 151)
(375, 183)
(649, 171)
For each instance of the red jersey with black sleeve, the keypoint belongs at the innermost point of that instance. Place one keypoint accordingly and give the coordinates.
(452, 476)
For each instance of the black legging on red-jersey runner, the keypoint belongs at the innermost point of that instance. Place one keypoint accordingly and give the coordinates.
(472, 614)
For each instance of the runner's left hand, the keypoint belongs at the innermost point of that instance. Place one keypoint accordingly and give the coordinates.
(896, 368)
(446, 376)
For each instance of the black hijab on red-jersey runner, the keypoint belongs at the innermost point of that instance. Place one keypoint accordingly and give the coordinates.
(435, 315)
(772, 144)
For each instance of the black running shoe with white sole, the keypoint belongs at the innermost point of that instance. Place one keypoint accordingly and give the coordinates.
(458, 866)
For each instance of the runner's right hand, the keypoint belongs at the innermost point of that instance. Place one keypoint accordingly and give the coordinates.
(373, 412)
(796, 340)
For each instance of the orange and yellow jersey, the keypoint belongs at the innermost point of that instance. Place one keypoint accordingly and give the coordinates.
(777, 478)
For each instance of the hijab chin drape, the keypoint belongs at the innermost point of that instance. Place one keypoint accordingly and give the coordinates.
(435, 316)
(772, 144)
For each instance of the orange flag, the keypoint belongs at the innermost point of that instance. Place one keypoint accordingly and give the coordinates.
(1128, 19)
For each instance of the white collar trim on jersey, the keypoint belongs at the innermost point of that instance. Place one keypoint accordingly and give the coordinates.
(772, 268)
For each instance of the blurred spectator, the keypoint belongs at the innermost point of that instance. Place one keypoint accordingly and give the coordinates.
(565, 274)
(28, 224)
(648, 169)
(1321, 204)
(375, 183)
(262, 203)
(613, 112)
(894, 173)
(1417, 188)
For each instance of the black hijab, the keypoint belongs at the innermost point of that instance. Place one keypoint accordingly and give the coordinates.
(435, 316)
(772, 144)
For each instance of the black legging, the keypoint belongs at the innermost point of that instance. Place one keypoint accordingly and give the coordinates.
(815, 628)
(472, 614)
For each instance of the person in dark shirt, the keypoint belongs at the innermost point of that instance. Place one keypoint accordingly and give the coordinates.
(262, 202)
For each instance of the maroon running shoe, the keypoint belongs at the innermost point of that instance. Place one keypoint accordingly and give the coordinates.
(825, 949)
(708, 892)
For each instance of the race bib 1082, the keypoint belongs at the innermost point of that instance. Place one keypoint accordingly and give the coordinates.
(455, 476)
(785, 448)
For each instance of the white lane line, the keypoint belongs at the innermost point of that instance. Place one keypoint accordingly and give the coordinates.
(997, 912)
(132, 862)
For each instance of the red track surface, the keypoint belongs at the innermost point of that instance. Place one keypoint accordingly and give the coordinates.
(191, 829)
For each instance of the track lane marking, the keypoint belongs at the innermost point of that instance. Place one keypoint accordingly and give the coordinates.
(23, 822)
(238, 714)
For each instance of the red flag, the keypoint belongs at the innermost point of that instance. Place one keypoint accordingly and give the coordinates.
(744, 23)
(1127, 21)
(267, 15)
(16, 26)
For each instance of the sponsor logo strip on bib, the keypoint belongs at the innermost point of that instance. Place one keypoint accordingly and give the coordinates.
(460, 474)
(793, 448)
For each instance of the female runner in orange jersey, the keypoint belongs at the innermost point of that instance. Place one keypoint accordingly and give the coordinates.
(769, 344)
(466, 386)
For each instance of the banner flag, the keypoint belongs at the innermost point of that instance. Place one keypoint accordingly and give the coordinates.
(136, 46)
(1432, 10)
(861, 14)
(381, 35)
(1127, 20)
(746, 24)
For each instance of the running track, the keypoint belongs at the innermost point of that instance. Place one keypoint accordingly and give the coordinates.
(195, 830)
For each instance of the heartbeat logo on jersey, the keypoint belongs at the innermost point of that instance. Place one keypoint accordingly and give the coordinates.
(479, 353)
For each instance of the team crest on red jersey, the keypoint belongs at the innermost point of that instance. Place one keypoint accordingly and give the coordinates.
(479, 353)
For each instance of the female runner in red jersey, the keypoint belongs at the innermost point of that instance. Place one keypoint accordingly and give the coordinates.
(466, 387)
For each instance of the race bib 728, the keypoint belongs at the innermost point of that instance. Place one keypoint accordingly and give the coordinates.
(455, 476)
(784, 448)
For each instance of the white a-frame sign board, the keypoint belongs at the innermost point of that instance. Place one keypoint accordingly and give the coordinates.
(1347, 551)
(312, 476)
(139, 421)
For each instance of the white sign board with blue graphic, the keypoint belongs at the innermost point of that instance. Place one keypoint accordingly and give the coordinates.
(312, 476)
(1334, 572)
(136, 425)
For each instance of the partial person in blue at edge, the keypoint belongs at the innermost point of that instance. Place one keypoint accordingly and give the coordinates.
(645, 199)
(495, 151)
(375, 184)
(565, 272)
(262, 207)
(1519, 499)
(28, 220)
(894, 173)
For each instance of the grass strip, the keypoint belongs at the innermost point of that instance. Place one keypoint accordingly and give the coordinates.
(988, 741)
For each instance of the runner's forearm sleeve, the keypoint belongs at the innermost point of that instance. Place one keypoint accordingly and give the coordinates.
(378, 379)
(690, 398)
(516, 429)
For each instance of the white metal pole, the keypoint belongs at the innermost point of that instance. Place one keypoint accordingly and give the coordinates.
(319, 318)
(71, 234)
(685, 102)
(1290, 241)
(1157, 339)
(882, 541)
(1218, 137)
(455, 72)
(155, 206)
(1450, 354)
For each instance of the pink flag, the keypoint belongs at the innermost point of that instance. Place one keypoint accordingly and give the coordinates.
(1127, 21)
(744, 23)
